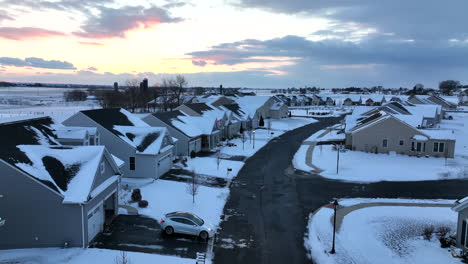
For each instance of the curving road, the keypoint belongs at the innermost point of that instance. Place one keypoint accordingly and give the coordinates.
(268, 208)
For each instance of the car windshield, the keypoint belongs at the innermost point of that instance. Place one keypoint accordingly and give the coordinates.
(197, 220)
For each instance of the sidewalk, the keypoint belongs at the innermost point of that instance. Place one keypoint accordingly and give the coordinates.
(343, 211)
(308, 158)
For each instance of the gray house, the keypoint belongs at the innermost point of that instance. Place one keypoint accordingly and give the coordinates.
(461, 207)
(147, 151)
(384, 133)
(53, 196)
(77, 136)
(180, 126)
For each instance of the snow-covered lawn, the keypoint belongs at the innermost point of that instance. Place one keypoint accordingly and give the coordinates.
(368, 167)
(58, 112)
(209, 166)
(263, 135)
(81, 256)
(380, 234)
(169, 196)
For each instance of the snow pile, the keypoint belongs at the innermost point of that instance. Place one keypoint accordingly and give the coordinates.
(80, 165)
(380, 234)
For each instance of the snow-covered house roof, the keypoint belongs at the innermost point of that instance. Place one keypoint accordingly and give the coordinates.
(146, 140)
(354, 98)
(70, 171)
(250, 104)
(181, 122)
(134, 131)
(31, 146)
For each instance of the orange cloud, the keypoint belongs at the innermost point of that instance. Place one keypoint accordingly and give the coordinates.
(23, 33)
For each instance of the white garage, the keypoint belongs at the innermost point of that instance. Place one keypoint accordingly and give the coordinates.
(96, 218)
(164, 164)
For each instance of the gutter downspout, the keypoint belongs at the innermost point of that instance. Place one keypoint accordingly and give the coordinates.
(82, 225)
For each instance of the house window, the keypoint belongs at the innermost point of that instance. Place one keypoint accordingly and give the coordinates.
(402, 142)
(385, 143)
(132, 163)
(103, 167)
(412, 146)
(439, 147)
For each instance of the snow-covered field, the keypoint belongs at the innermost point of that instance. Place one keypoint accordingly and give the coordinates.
(80, 256)
(368, 167)
(27, 101)
(381, 234)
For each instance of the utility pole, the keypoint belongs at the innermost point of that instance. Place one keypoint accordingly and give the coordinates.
(335, 205)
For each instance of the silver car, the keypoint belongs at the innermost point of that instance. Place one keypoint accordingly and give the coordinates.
(186, 223)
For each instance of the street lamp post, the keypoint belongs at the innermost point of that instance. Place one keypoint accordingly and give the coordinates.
(253, 146)
(337, 156)
(335, 205)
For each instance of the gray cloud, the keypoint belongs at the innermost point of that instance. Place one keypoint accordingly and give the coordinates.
(114, 22)
(416, 19)
(91, 69)
(379, 59)
(36, 63)
(5, 16)
(200, 63)
(62, 5)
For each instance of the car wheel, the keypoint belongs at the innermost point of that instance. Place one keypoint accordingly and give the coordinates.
(169, 230)
(204, 235)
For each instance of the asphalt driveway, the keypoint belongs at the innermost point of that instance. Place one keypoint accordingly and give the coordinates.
(268, 208)
(143, 234)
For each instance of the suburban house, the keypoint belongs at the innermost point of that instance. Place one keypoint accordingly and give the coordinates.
(147, 151)
(463, 97)
(352, 100)
(374, 100)
(327, 100)
(181, 126)
(433, 99)
(77, 136)
(419, 116)
(278, 109)
(211, 114)
(461, 207)
(53, 195)
(384, 133)
(214, 100)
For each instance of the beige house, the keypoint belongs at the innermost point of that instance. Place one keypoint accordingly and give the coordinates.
(385, 133)
(461, 207)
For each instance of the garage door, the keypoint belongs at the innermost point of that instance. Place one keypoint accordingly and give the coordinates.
(95, 221)
(165, 164)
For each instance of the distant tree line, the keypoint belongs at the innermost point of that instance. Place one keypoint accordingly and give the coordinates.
(75, 95)
(136, 97)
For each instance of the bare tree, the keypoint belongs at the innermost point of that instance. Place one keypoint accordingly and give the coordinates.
(122, 258)
(218, 158)
(133, 89)
(193, 185)
(179, 84)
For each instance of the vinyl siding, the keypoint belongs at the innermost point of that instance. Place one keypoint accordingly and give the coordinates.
(33, 211)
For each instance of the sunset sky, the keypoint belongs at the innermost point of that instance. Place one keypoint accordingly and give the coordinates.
(237, 43)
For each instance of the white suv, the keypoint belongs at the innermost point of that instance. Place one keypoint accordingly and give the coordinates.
(186, 223)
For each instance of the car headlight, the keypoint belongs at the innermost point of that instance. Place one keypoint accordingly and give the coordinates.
(209, 229)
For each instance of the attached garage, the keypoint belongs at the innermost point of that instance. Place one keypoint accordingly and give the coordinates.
(96, 218)
(164, 164)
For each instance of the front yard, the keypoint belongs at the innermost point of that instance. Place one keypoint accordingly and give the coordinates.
(382, 231)
(359, 166)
